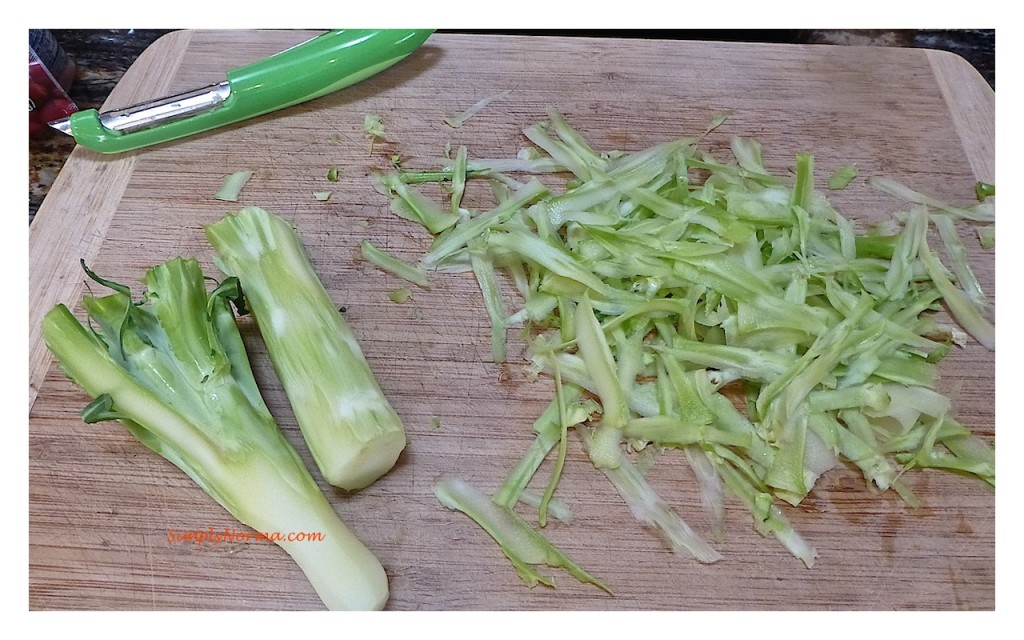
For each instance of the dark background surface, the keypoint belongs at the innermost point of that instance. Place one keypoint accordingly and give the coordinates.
(103, 55)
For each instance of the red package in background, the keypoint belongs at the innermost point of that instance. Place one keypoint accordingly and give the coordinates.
(50, 74)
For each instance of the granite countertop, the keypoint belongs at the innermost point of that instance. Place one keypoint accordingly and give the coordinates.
(103, 55)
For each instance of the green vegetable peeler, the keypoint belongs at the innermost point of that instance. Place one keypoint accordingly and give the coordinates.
(329, 62)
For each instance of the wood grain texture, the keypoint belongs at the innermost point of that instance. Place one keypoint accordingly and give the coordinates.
(973, 110)
(101, 505)
(85, 201)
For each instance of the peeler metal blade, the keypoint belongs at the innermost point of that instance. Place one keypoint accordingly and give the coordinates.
(326, 63)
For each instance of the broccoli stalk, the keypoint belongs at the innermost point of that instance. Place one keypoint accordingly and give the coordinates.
(354, 434)
(173, 370)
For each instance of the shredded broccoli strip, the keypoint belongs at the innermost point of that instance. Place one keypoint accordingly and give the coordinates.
(842, 177)
(958, 255)
(522, 544)
(987, 236)
(372, 254)
(563, 443)
(457, 121)
(483, 268)
(233, 184)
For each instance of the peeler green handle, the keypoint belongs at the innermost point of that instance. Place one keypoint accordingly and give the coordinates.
(324, 64)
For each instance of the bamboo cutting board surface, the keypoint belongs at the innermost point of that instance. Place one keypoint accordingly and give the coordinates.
(102, 507)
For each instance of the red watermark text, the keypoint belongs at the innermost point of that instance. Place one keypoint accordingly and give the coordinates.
(214, 536)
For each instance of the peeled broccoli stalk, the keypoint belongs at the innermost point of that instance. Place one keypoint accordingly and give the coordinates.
(173, 370)
(351, 429)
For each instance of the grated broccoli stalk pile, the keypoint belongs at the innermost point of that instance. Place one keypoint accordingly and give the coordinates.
(684, 302)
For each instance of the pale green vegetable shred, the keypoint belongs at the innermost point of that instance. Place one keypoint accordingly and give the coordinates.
(232, 185)
(376, 256)
(842, 177)
(987, 236)
(400, 295)
(457, 121)
(691, 303)
(373, 127)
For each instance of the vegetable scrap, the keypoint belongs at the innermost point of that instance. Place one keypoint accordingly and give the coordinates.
(233, 184)
(373, 126)
(460, 119)
(400, 295)
(842, 177)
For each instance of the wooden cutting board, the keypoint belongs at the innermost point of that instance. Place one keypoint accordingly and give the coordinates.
(102, 507)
